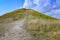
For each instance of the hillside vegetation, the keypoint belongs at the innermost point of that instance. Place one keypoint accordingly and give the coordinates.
(38, 26)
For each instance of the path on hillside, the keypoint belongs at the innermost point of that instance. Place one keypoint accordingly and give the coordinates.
(17, 32)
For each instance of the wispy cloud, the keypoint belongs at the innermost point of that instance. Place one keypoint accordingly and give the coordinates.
(50, 7)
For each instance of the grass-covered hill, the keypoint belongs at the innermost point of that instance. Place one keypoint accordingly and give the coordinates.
(31, 24)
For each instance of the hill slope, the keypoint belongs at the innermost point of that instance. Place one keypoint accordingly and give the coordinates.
(28, 24)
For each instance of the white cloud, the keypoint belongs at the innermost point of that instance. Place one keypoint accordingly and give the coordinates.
(29, 4)
(54, 13)
(50, 7)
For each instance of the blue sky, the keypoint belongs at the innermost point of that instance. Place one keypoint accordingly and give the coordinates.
(9, 5)
(49, 7)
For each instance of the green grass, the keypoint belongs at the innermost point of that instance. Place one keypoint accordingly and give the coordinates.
(28, 11)
(38, 25)
(43, 32)
(14, 13)
(12, 16)
(40, 15)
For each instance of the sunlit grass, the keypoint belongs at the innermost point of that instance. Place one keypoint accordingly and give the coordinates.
(38, 25)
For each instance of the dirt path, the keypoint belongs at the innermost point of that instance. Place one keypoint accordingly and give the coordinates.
(17, 32)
